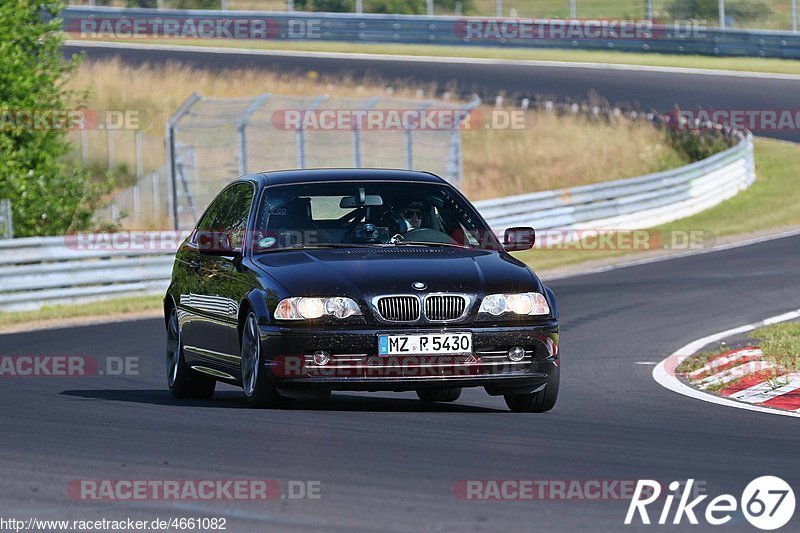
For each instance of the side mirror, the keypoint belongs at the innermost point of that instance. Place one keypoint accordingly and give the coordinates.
(216, 243)
(518, 239)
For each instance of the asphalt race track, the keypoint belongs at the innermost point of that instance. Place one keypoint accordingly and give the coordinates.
(640, 88)
(387, 461)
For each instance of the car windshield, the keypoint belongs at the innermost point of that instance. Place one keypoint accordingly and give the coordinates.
(351, 214)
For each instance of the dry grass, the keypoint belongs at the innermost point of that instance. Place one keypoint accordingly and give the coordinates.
(560, 151)
(551, 151)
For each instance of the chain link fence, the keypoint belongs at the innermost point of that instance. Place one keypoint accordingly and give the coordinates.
(135, 161)
(212, 141)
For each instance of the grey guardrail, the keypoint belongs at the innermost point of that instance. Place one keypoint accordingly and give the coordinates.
(417, 29)
(640, 202)
(57, 270)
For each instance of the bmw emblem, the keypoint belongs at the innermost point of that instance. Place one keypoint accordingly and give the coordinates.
(418, 285)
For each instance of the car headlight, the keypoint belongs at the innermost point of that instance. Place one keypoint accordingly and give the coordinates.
(302, 308)
(526, 303)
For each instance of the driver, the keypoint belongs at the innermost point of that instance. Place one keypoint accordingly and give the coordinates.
(412, 214)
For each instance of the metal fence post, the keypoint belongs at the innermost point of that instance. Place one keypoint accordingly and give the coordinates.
(300, 136)
(84, 146)
(172, 156)
(138, 142)
(9, 220)
(109, 149)
(410, 139)
(357, 133)
(794, 15)
(499, 8)
(137, 208)
(156, 195)
(409, 149)
(573, 9)
(722, 13)
(429, 7)
(244, 119)
(454, 162)
(6, 219)
(648, 10)
(359, 6)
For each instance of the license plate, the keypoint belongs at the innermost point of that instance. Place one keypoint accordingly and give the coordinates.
(438, 343)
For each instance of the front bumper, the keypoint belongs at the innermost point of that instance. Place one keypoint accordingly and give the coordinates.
(355, 364)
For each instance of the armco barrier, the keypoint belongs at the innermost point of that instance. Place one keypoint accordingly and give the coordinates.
(417, 29)
(48, 270)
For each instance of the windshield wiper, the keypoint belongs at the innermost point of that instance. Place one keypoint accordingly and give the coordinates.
(426, 243)
(317, 246)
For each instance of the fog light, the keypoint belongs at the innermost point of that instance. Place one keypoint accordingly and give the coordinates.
(516, 354)
(321, 358)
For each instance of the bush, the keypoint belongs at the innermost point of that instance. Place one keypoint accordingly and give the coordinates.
(415, 7)
(709, 9)
(333, 6)
(176, 4)
(49, 196)
(696, 145)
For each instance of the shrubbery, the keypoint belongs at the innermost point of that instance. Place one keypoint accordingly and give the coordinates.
(709, 9)
(400, 7)
(49, 195)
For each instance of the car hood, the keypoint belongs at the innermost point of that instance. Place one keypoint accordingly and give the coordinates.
(366, 272)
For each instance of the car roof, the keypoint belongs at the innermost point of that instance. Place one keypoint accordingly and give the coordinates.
(282, 177)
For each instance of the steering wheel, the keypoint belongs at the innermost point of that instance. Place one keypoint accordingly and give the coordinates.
(429, 235)
(352, 226)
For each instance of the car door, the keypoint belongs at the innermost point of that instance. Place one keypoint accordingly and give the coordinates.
(219, 284)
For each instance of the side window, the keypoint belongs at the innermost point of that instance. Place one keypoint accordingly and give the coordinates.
(229, 212)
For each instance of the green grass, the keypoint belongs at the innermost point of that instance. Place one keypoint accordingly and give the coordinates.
(745, 64)
(781, 344)
(772, 202)
(696, 361)
(100, 309)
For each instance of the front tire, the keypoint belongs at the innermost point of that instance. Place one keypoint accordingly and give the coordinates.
(537, 402)
(183, 382)
(439, 395)
(258, 389)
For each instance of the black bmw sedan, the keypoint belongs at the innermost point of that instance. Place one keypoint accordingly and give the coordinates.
(297, 283)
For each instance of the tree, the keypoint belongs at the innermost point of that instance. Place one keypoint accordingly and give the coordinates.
(48, 195)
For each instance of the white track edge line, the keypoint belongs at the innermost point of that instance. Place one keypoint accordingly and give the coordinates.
(669, 381)
(433, 59)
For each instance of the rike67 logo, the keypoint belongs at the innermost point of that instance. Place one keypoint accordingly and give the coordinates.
(767, 503)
